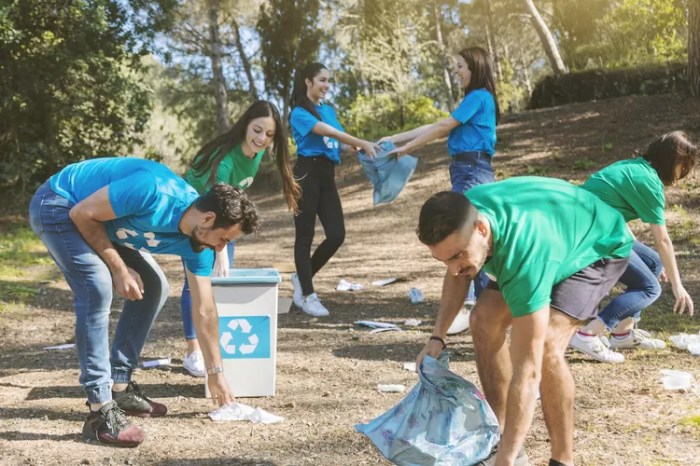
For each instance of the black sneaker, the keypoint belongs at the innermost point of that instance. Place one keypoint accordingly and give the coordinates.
(109, 425)
(134, 403)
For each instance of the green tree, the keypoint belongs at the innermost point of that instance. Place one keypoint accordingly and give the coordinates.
(69, 87)
(643, 31)
(289, 39)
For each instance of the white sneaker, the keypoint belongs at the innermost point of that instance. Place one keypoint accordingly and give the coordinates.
(312, 306)
(194, 364)
(637, 338)
(461, 322)
(595, 348)
(297, 295)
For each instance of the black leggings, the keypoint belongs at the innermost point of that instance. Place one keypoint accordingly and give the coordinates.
(319, 196)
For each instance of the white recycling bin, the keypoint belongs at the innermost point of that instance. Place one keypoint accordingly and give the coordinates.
(247, 305)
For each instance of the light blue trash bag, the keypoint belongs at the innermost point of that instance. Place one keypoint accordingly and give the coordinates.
(443, 421)
(388, 174)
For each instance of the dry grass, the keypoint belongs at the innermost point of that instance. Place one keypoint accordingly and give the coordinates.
(328, 370)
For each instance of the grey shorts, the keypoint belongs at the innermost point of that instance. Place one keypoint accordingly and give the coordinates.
(579, 295)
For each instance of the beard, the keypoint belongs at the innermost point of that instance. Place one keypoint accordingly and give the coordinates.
(196, 244)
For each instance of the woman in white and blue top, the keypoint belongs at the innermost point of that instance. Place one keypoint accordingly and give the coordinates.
(471, 141)
(320, 139)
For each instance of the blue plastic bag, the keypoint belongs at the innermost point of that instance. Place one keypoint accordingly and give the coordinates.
(443, 421)
(388, 174)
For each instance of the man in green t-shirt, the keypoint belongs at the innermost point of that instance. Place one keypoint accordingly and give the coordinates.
(552, 251)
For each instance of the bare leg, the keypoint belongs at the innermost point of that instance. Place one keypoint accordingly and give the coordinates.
(557, 387)
(488, 322)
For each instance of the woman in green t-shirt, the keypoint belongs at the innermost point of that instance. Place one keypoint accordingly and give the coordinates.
(234, 158)
(635, 187)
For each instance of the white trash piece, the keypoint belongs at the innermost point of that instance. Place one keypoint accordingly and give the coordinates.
(682, 340)
(155, 363)
(344, 285)
(384, 281)
(412, 322)
(676, 380)
(391, 388)
(374, 324)
(242, 412)
(694, 349)
(416, 295)
(60, 347)
(409, 366)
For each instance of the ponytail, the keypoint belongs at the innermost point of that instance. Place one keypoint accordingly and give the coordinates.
(299, 97)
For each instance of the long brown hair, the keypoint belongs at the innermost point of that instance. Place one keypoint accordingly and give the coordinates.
(672, 155)
(210, 155)
(479, 63)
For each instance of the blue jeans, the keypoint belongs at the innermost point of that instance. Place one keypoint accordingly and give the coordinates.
(465, 173)
(642, 280)
(186, 300)
(91, 283)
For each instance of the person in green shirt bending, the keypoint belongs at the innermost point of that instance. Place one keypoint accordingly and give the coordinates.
(552, 251)
(635, 188)
(234, 159)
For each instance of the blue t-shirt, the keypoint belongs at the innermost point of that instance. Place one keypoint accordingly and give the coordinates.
(309, 143)
(148, 200)
(477, 130)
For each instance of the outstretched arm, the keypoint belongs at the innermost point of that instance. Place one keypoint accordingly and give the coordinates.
(434, 131)
(454, 290)
(206, 325)
(663, 244)
(400, 138)
(323, 129)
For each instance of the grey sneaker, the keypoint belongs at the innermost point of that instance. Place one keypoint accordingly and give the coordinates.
(109, 425)
(134, 403)
(595, 348)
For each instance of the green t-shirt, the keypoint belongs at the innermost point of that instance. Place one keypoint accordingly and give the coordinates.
(545, 230)
(234, 169)
(633, 188)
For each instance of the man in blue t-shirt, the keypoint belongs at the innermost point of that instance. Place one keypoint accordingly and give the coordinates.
(101, 220)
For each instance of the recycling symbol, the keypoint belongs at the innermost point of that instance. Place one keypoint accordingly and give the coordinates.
(247, 346)
(330, 142)
(244, 184)
(133, 237)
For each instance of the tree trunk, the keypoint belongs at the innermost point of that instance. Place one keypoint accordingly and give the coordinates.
(550, 46)
(694, 47)
(244, 59)
(443, 57)
(491, 41)
(215, 54)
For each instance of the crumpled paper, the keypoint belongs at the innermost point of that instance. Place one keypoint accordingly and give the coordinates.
(344, 285)
(242, 412)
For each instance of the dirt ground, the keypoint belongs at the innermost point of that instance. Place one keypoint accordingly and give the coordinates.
(328, 369)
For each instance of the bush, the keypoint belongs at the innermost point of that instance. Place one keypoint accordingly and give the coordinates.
(371, 117)
(591, 85)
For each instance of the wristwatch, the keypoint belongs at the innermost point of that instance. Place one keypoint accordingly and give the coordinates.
(215, 370)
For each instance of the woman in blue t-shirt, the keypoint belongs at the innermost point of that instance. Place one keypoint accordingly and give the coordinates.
(318, 136)
(471, 141)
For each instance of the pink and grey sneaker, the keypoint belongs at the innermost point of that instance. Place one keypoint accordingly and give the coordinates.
(110, 426)
(636, 338)
(134, 403)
